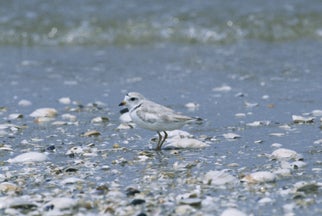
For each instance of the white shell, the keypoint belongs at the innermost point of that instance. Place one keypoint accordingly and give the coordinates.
(219, 178)
(223, 88)
(29, 157)
(285, 154)
(44, 112)
(185, 143)
(301, 119)
(232, 212)
(24, 103)
(62, 203)
(259, 177)
(64, 100)
(231, 136)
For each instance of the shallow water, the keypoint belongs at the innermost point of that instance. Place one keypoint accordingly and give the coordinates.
(100, 54)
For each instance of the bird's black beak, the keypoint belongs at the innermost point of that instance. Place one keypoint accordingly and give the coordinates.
(122, 103)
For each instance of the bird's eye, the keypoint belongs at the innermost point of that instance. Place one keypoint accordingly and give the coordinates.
(132, 99)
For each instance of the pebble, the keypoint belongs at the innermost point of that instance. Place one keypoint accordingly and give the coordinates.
(29, 157)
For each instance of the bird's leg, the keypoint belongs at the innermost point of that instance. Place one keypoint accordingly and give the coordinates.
(159, 141)
(164, 138)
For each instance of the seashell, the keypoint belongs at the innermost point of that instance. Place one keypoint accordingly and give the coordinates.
(317, 142)
(317, 113)
(232, 212)
(40, 120)
(285, 154)
(44, 112)
(6, 187)
(64, 100)
(59, 123)
(240, 115)
(75, 150)
(29, 157)
(223, 88)
(61, 203)
(100, 120)
(185, 210)
(91, 133)
(4, 147)
(69, 117)
(191, 201)
(277, 134)
(283, 172)
(15, 116)
(23, 202)
(125, 126)
(185, 143)
(250, 105)
(259, 177)
(276, 145)
(219, 178)
(192, 106)
(231, 136)
(300, 119)
(258, 123)
(308, 188)
(71, 180)
(24, 103)
(265, 200)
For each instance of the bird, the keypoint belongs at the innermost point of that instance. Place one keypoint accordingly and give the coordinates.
(153, 116)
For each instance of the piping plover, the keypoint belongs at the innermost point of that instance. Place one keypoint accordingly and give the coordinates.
(152, 116)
